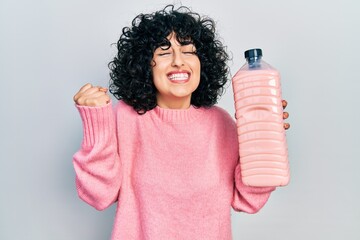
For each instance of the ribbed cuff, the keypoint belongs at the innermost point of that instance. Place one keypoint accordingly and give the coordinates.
(98, 124)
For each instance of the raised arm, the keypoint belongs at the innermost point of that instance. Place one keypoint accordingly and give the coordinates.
(248, 199)
(97, 165)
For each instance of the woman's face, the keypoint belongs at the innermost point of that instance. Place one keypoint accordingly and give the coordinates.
(176, 74)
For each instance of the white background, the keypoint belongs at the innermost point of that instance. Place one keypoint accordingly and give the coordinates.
(48, 49)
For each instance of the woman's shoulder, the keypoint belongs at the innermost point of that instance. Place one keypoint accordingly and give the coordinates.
(124, 108)
(220, 113)
(221, 118)
(125, 111)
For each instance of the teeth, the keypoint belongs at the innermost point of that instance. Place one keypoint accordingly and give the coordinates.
(178, 76)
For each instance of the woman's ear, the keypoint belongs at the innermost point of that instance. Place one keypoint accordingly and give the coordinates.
(153, 63)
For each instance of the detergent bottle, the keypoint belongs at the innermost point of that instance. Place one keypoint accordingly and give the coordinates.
(260, 124)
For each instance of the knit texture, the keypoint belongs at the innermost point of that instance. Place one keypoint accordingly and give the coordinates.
(175, 174)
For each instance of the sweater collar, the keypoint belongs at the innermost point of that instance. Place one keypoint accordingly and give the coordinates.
(178, 115)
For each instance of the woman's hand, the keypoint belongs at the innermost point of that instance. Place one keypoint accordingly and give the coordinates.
(285, 115)
(91, 96)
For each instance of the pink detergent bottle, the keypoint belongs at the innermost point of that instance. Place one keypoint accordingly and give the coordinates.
(259, 119)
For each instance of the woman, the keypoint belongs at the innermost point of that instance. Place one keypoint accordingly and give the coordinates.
(166, 154)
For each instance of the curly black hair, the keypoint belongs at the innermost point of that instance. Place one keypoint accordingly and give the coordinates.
(130, 70)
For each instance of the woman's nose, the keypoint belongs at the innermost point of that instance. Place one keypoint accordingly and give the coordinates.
(177, 60)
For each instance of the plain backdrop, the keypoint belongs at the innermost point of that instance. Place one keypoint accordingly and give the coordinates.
(49, 49)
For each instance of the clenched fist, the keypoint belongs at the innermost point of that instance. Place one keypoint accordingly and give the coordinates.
(91, 96)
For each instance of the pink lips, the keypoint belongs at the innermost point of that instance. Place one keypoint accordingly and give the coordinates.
(179, 76)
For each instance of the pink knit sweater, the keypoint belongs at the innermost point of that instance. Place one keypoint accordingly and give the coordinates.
(174, 173)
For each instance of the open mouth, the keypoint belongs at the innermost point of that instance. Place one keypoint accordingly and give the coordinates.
(179, 77)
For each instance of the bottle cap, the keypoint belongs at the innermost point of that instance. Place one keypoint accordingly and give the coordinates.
(251, 53)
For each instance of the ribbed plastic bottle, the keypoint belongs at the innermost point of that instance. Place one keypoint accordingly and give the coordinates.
(260, 124)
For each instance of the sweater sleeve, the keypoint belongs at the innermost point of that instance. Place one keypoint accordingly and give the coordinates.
(97, 164)
(248, 199)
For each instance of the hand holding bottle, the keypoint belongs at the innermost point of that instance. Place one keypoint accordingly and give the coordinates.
(285, 115)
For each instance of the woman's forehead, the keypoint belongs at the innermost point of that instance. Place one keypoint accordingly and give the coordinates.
(174, 38)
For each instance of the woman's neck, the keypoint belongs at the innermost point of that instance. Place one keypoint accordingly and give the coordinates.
(178, 103)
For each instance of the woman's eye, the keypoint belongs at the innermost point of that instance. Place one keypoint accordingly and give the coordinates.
(163, 53)
(189, 50)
